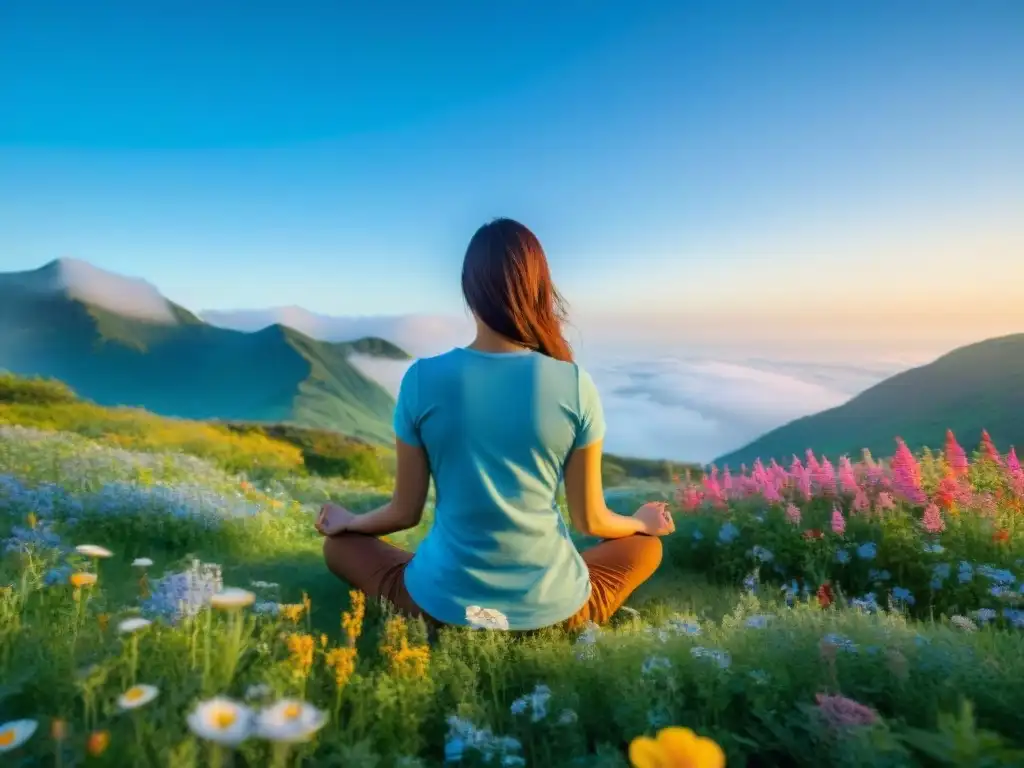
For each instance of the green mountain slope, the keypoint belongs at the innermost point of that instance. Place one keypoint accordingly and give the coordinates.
(980, 386)
(162, 358)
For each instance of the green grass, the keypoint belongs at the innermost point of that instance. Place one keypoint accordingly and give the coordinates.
(58, 661)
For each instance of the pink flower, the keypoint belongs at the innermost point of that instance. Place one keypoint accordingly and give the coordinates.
(838, 522)
(989, 449)
(841, 712)
(825, 478)
(812, 463)
(955, 456)
(906, 475)
(847, 477)
(885, 502)
(932, 519)
(1015, 473)
(861, 502)
(689, 498)
(793, 514)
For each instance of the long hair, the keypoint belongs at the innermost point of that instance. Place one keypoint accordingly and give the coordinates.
(507, 284)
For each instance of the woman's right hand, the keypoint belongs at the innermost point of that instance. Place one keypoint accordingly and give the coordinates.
(656, 518)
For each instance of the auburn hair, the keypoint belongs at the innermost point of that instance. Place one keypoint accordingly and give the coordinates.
(507, 284)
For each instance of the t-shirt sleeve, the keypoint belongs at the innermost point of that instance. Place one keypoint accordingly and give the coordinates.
(407, 409)
(591, 427)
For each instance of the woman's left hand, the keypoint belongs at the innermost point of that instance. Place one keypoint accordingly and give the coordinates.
(333, 519)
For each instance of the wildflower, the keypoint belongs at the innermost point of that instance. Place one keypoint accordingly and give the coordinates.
(793, 515)
(675, 747)
(221, 720)
(867, 551)
(825, 595)
(81, 579)
(267, 608)
(867, 603)
(933, 548)
(761, 554)
(885, 502)
(956, 457)
(137, 696)
(292, 612)
(290, 721)
(841, 712)
(141, 562)
(352, 619)
(932, 519)
(989, 450)
(1001, 536)
(689, 498)
(842, 556)
(906, 474)
(963, 623)
(682, 626)
(15, 733)
(838, 522)
(728, 533)
(300, 649)
(840, 641)
(342, 661)
(903, 595)
(813, 533)
(861, 502)
(535, 702)
(966, 572)
(97, 743)
(485, 618)
(232, 598)
(93, 551)
(128, 626)
(985, 615)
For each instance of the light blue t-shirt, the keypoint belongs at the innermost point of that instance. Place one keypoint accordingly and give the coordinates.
(497, 429)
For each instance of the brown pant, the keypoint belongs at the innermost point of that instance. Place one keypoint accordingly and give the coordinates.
(617, 567)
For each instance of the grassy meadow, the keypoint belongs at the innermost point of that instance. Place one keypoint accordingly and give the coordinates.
(865, 614)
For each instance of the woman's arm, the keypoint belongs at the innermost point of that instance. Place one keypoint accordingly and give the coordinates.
(404, 511)
(588, 511)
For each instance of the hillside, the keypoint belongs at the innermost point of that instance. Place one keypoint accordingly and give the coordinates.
(979, 386)
(117, 341)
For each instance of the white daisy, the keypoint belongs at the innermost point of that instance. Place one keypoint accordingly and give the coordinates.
(16, 733)
(141, 562)
(137, 696)
(485, 618)
(92, 550)
(289, 721)
(231, 598)
(221, 720)
(128, 626)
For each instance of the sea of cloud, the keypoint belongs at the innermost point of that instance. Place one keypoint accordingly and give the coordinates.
(690, 401)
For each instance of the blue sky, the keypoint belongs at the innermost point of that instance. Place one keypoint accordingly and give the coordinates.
(727, 158)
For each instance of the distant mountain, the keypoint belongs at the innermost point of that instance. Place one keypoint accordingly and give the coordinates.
(980, 386)
(420, 334)
(118, 341)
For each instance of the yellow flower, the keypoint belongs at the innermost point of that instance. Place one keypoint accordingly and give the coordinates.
(675, 748)
(323, 641)
(32, 520)
(396, 635)
(82, 579)
(352, 619)
(292, 612)
(411, 661)
(342, 662)
(301, 648)
(97, 743)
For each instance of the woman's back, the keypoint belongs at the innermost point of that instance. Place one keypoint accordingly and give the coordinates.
(497, 429)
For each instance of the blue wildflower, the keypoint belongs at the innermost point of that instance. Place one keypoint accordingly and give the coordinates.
(867, 551)
(761, 554)
(904, 595)
(842, 556)
(728, 533)
(935, 549)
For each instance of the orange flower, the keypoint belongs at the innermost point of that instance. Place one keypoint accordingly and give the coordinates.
(825, 595)
(97, 743)
(301, 649)
(675, 748)
(82, 579)
(1001, 536)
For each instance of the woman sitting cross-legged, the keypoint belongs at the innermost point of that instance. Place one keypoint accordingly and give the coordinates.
(498, 425)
